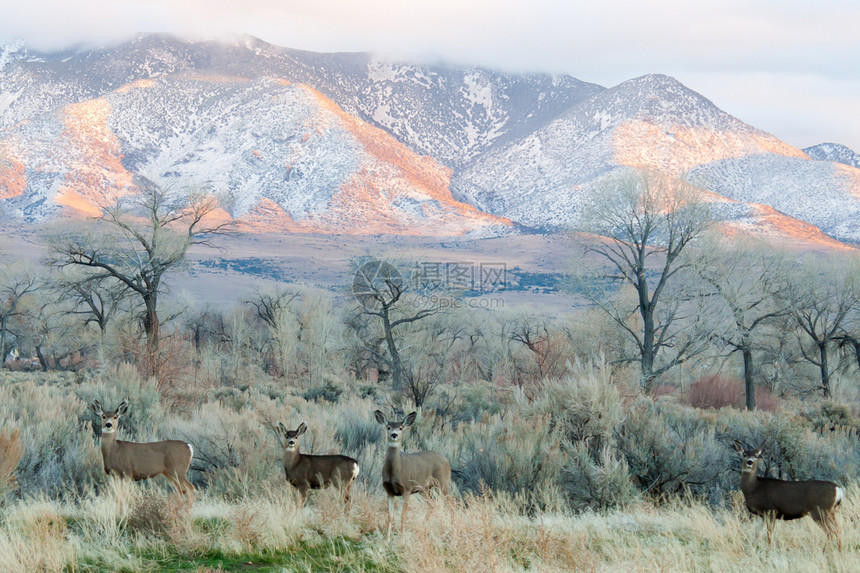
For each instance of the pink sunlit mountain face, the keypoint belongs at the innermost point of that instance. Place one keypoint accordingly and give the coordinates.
(346, 143)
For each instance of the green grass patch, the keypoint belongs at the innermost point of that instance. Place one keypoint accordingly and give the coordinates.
(334, 554)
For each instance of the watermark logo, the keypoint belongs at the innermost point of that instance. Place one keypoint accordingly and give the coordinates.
(374, 278)
(377, 282)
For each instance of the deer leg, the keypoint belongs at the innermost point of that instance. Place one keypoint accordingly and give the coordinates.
(347, 499)
(390, 514)
(771, 523)
(187, 486)
(403, 512)
(174, 483)
(827, 522)
(758, 531)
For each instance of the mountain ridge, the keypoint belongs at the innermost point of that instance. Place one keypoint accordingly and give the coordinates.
(311, 142)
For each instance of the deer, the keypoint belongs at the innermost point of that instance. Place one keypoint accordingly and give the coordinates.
(773, 499)
(306, 472)
(140, 461)
(405, 474)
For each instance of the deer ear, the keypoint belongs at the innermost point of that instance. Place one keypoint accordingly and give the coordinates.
(97, 407)
(739, 448)
(301, 429)
(760, 448)
(380, 417)
(407, 421)
(280, 427)
(123, 408)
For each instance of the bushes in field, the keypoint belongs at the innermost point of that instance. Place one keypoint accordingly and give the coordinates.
(581, 438)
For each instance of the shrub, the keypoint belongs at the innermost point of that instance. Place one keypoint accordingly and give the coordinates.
(670, 449)
(718, 391)
(599, 484)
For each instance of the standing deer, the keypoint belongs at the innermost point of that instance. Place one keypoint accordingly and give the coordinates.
(170, 458)
(773, 499)
(404, 474)
(306, 472)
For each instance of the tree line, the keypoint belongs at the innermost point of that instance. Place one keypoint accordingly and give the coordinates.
(658, 284)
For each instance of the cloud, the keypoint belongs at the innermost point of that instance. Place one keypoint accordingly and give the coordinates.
(721, 44)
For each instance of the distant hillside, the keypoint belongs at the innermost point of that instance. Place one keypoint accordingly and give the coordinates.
(298, 141)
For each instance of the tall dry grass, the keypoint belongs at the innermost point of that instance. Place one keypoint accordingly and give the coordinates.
(130, 527)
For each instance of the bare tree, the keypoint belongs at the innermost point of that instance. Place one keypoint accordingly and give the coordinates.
(649, 221)
(383, 295)
(96, 298)
(745, 280)
(136, 241)
(17, 281)
(274, 308)
(821, 292)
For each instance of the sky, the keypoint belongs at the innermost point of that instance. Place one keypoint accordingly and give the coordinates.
(785, 66)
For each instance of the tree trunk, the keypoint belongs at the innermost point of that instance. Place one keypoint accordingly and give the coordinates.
(151, 329)
(647, 351)
(749, 385)
(825, 370)
(396, 366)
(2, 342)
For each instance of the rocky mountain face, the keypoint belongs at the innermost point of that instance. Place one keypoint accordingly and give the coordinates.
(834, 152)
(297, 141)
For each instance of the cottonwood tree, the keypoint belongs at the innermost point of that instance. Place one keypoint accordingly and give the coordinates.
(821, 292)
(385, 301)
(274, 308)
(96, 298)
(137, 240)
(648, 222)
(745, 279)
(17, 281)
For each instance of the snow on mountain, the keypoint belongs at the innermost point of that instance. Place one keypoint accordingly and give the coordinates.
(834, 152)
(349, 143)
(547, 178)
(283, 155)
(824, 194)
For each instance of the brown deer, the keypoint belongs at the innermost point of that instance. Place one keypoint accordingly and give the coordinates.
(405, 474)
(306, 472)
(170, 458)
(773, 499)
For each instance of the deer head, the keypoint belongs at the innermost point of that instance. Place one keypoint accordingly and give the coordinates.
(291, 437)
(749, 458)
(109, 420)
(394, 429)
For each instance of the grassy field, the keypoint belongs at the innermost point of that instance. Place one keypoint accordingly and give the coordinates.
(130, 527)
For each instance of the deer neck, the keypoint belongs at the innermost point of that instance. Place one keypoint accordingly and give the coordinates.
(291, 458)
(107, 443)
(393, 455)
(749, 479)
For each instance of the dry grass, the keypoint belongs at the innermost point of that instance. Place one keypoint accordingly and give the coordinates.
(127, 524)
(11, 451)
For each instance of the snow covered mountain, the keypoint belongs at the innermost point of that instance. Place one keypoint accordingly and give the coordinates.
(547, 178)
(300, 141)
(834, 152)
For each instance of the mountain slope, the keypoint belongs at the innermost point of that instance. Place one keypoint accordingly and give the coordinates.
(286, 156)
(348, 143)
(549, 177)
(834, 152)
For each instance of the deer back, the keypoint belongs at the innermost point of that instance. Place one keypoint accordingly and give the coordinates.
(146, 460)
(790, 499)
(413, 472)
(319, 471)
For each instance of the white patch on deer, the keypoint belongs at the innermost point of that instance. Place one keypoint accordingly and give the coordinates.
(190, 449)
(354, 471)
(108, 430)
(840, 493)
